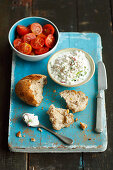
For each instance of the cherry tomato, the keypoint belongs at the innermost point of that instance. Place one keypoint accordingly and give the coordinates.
(42, 35)
(48, 29)
(36, 28)
(50, 41)
(17, 43)
(37, 43)
(22, 30)
(25, 48)
(42, 50)
(28, 37)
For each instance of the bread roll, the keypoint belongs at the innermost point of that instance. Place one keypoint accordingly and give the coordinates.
(30, 88)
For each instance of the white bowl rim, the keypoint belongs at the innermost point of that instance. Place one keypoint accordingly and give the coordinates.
(30, 56)
(79, 84)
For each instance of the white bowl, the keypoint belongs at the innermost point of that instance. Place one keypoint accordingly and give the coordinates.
(91, 62)
(27, 21)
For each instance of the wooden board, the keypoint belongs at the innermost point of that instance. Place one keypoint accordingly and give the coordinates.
(45, 142)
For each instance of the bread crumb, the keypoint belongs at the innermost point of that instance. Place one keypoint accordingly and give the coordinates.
(54, 91)
(19, 134)
(40, 129)
(32, 140)
(89, 139)
(42, 108)
(24, 136)
(83, 125)
(67, 110)
(76, 119)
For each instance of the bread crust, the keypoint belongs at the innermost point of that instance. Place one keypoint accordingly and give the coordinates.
(23, 91)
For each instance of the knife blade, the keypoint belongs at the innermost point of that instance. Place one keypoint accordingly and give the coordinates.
(102, 77)
(102, 85)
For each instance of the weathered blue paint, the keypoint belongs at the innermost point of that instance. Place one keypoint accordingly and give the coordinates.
(46, 142)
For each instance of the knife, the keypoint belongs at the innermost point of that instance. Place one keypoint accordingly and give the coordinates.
(102, 85)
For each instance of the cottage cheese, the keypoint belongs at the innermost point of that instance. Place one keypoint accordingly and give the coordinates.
(70, 67)
(30, 119)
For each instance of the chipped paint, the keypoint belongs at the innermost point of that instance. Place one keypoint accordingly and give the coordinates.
(14, 119)
(21, 140)
(99, 146)
(28, 132)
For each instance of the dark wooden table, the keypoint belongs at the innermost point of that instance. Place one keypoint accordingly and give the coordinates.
(68, 15)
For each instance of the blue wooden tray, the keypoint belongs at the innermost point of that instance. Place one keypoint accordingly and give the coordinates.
(46, 142)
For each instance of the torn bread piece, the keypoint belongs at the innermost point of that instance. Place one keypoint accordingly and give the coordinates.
(76, 100)
(59, 117)
(30, 88)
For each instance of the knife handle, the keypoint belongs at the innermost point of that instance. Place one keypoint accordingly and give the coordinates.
(99, 115)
